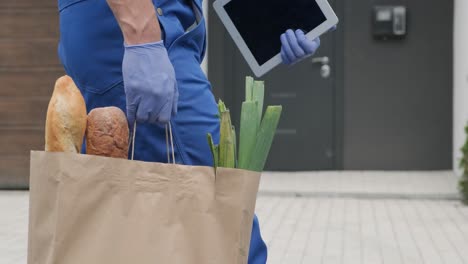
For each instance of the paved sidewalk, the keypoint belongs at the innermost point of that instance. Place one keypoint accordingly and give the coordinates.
(361, 231)
(347, 217)
(13, 227)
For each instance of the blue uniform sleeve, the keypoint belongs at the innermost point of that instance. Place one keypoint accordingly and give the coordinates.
(258, 249)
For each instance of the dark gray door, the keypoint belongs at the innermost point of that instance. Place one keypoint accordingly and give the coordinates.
(305, 137)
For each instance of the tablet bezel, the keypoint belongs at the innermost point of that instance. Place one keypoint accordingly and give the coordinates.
(260, 70)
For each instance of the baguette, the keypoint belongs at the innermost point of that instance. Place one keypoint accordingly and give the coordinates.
(66, 118)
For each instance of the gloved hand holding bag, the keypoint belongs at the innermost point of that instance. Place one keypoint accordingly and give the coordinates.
(150, 83)
(148, 75)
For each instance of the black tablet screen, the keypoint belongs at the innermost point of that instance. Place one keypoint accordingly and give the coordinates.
(261, 22)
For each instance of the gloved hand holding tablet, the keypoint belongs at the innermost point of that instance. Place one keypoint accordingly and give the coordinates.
(257, 27)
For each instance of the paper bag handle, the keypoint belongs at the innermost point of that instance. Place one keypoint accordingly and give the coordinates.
(168, 137)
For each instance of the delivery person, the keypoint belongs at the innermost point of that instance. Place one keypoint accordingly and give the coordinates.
(144, 57)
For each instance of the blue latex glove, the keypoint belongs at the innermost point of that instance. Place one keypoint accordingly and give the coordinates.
(150, 84)
(295, 46)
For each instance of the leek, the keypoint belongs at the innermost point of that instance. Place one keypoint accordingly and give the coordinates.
(248, 132)
(256, 133)
(264, 138)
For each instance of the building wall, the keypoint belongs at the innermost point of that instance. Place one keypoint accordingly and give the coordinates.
(460, 95)
(28, 69)
(398, 94)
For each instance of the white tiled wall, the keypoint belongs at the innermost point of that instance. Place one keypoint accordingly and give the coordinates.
(460, 81)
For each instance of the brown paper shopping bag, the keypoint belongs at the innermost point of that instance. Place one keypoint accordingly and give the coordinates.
(93, 210)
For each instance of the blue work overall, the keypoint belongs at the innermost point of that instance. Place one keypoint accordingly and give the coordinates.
(91, 51)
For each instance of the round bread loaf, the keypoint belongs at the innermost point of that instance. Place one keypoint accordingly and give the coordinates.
(107, 133)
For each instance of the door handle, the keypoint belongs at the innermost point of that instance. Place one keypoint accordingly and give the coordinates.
(325, 70)
(322, 60)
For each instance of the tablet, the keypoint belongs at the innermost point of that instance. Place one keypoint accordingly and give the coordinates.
(256, 26)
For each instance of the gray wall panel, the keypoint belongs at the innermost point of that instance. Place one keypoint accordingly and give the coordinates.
(398, 94)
